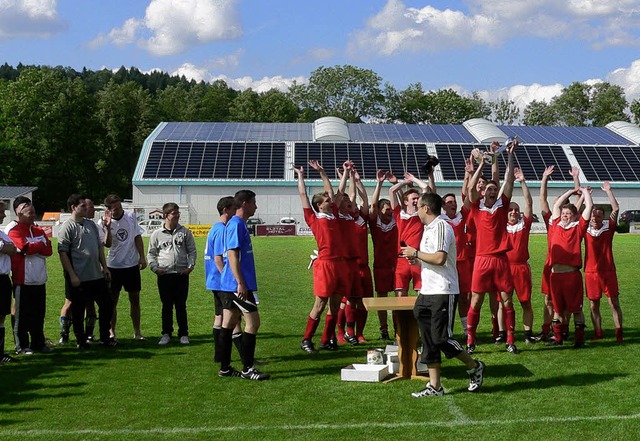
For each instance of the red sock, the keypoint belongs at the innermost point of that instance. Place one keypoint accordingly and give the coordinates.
(546, 327)
(350, 316)
(619, 335)
(473, 318)
(557, 332)
(579, 336)
(340, 321)
(598, 334)
(329, 329)
(565, 328)
(510, 323)
(312, 325)
(495, 329)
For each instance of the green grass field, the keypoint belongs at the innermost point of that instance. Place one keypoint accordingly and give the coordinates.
(142, 391)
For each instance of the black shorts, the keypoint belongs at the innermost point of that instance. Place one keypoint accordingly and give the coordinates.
(230, 300)
(5, 295)
(129, 278)
(217, 301)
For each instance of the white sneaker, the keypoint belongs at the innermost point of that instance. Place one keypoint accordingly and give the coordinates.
(166, 338)
(184, 340)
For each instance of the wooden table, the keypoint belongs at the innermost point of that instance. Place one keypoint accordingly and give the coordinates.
(407, 333)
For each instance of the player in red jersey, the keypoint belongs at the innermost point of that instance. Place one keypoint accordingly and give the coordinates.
(599, 267)
(491, 268)
(547, 310)
(567, 230)
(410, 228)
(384, 235)
(329, 275)
(518, 229)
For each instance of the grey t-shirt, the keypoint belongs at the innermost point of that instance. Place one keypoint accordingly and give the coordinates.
(81, 241)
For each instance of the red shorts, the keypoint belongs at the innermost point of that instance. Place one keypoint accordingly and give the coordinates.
(491, 274)
(352, 287)
(384, 278)
(597, 283)
(521, 274)
(329, 277)
(465, 271)
(405, 273)
(546, 274)
(366, 283)
(566, 292)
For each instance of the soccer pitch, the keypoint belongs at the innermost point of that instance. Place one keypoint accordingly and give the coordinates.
(142, 391)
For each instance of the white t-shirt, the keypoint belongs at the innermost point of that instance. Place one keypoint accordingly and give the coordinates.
(5, 260)
(123, 252)
(439, 279)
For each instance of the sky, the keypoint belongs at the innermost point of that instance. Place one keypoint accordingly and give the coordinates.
(503, 49)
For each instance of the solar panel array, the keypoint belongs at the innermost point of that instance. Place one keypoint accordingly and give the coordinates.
(215, 160)
(549, 135)
(531, 159)
(230, 132)
(610, 164)
(419, 133)
(368, 158)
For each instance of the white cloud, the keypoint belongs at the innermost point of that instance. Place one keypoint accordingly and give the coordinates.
(21, 18)
(628, 78)
(398, 28)
(174, 26)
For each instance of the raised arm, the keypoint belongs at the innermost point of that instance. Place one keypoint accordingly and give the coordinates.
(302, 188)
(474, 194)
(509, 177)
(528, 200)
(362, 192)
(559, 202)
(575, 174)
(346, 167)
(495, 165)
(544, 203)
(606, 187)
(395, 193)
(588, 203)
(373, 209)
(323, 175)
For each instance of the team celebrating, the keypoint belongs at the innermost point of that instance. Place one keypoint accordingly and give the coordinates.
(451, 255)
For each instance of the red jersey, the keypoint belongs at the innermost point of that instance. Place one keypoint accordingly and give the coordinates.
(327, 233)
(491, 226)
(28, 267)
(518, 235)
(459, 225)
(350, 243)
(598, 248)
(565, 242)
(546, 218)
(410, 228)
(385, 242)
(361, 237)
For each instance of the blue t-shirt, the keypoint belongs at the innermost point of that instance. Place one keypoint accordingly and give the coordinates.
(237, 236)
(214, 247)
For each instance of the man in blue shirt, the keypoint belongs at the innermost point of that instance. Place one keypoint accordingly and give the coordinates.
(237, 286)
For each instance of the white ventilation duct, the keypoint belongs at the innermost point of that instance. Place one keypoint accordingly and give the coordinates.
(626, 130)
(330, 128)
(484, 131)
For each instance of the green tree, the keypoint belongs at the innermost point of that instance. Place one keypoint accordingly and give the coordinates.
(573, 105)
(539, 113)
(216, 102)
(634, 108)
(608, 104)
(348, 92)
(504, 112)
(276, 106)
(245, 107)
(446, 106)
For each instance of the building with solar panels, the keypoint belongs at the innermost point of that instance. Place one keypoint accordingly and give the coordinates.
(195, 164)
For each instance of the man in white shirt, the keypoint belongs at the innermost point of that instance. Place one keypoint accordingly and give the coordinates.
(436, 303)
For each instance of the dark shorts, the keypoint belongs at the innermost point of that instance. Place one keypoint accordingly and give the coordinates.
(129, 278)
(5, 295)
(231, 301)
(217, 301)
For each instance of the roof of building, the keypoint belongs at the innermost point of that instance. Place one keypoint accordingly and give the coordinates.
(7, 192)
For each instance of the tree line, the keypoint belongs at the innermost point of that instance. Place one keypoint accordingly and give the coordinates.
(68, 131)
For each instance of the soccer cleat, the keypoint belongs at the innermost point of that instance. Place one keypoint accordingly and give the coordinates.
(307, 346)
(351, 338)
(512, 349)
(384, 334)
(501, 338)
(229, 372)
(64, 339)
(254, 374)
(471, 348)
(428, 391)
(543, 336)
(6, 358)
(110, 343)
(362, 340)
(476, 377)
(554, 342)
(531, 340)
(91, 337)
(27, 351)
(184, 340)
(83, 346)
(328, 346)
(166, 338)
(139, 337)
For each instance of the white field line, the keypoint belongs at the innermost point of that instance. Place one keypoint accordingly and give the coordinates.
(314, 427)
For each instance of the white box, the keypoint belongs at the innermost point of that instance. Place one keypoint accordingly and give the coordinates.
(393, 363)
(371, 373)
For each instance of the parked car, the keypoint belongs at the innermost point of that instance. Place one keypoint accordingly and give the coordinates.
(287, 221)
(252, 222)
(149, 225)
(625, 218)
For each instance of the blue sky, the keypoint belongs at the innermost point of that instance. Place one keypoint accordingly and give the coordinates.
(514, 49)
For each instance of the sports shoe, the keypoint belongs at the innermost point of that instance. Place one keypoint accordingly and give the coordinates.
(362, 340)
(184, 340)
(476, 377)
(328, 346)
(501, 338)
(166, 338)
(83, 346)
(230, 372)
(6, 358)
(64, 339)
(384, 334)
(512, 349)
(27, 351)
(471, 348)
(351, 338)
(428, 391)
(307, 346)
(554, 342)
(110, 343)
(139, 337)
(531, 340)
(542, 336)
(254, 374)
(91, 337)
